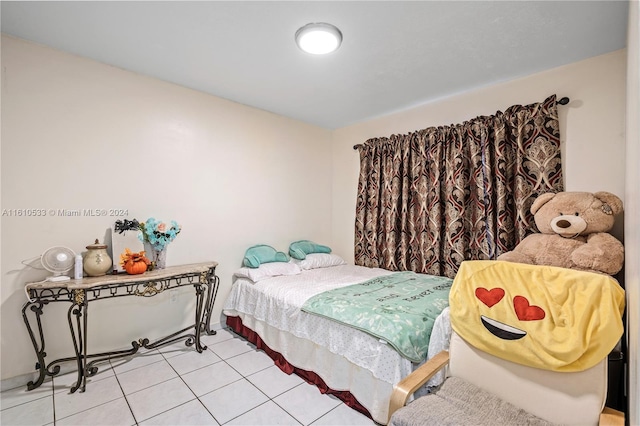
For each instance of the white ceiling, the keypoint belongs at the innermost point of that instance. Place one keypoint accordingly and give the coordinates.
(395, 55)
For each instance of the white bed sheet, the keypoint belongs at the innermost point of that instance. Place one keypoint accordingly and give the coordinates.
(277, 301)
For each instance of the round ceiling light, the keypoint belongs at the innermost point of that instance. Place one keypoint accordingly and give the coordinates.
(318, 38)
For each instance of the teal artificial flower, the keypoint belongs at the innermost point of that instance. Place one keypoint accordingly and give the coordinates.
(157, 233)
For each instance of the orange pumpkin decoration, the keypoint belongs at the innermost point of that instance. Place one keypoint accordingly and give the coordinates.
(133, 268)
(134, 263)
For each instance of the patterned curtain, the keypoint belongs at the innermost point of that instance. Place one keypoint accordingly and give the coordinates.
(430, 199)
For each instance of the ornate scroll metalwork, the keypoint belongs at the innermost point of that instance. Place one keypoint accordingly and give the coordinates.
(205, 285)
(78, 297)
(152, 288)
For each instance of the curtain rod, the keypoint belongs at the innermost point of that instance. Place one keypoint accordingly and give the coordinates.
(562, 101)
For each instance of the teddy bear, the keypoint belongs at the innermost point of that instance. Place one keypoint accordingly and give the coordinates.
(573, 233)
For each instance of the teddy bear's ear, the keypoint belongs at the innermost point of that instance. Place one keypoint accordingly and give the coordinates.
(541, 201)
(612, 203)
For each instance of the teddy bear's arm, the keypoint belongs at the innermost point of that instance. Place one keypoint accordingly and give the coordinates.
(602, 253)
(521, 253)
(514, 256)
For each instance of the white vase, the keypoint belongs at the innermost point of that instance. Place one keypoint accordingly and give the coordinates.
(158, 257)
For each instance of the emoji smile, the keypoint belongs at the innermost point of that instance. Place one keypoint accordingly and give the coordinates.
(501, 330)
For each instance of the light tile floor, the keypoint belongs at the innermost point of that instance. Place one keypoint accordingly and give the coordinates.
(231, 383)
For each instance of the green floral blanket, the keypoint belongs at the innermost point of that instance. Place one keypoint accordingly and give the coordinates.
(399, 308)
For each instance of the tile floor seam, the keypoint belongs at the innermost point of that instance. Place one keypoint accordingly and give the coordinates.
(53, 401)
(87, 409)
(239, 372)
(148, 387)
(245, 377)
(324, 414)
(242, 414)
(181, 378)
(221, 387)
(94, 381)
(124, 395)
(208, 411)
(136, 368)
(167, 410)
(284, 391)
(90, 408)
(228, 384)
(285, 410)
(188, 387)
(55, 419)
(22, 403)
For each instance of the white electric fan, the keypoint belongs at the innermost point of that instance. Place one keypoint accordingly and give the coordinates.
(58, 260)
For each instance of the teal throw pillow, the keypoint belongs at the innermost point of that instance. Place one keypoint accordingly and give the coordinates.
(300, 249)
(256, 255)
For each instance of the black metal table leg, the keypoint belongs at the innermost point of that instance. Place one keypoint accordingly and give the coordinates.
(36, 308)
(85, 335)
(77, 334)
(212, 283)
(199, 313)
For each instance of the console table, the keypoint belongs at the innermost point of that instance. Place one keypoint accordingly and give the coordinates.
(201, 276)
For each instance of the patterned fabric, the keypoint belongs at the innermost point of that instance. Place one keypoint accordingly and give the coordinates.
(400, 308)
(430, 199)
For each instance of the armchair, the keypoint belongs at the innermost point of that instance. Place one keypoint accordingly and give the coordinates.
(482, 389)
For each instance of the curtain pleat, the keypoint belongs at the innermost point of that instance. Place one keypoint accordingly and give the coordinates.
(430, 199)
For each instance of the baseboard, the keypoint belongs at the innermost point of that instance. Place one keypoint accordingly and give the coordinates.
(22, 380)
(217, 326)
(16, 382)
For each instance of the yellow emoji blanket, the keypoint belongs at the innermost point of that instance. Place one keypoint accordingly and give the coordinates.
(541, 316)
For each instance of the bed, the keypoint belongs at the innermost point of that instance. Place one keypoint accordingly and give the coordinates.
(355, 366)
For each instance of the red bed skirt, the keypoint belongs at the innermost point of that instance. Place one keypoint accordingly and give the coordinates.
(235, 323)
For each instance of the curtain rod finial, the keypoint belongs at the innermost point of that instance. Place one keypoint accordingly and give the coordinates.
(563, 101)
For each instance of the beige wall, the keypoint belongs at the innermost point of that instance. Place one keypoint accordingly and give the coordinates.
(591, 128)
(632, 207)
(77, 134)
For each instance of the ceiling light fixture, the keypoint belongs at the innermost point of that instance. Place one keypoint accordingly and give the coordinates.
(318, 38)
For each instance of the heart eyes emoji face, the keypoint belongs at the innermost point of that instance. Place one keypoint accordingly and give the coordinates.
(489, 297)
(523, 309)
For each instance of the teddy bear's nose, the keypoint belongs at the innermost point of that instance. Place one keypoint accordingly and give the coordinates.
(563, 223)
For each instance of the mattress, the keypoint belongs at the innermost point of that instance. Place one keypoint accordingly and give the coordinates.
(345, 358)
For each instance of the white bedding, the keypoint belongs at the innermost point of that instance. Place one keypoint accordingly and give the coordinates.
(276, 302)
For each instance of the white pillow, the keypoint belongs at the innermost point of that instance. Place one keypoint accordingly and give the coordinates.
(268, 270)
(319, 260)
